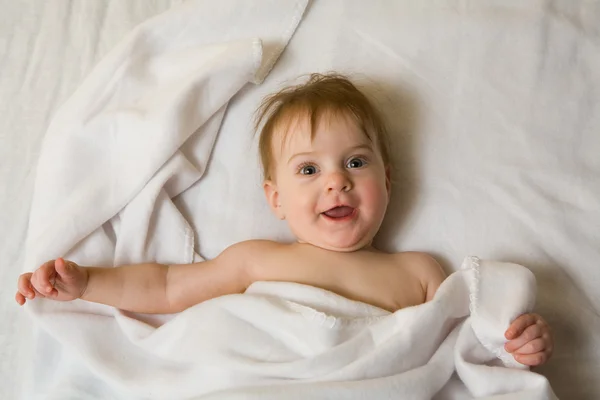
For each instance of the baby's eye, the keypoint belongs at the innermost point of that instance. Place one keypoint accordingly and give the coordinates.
(356, 163)
(308, 170)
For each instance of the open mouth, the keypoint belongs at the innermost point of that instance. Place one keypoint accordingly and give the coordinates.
(340, 213)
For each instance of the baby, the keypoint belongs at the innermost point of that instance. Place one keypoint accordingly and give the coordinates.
(326, 166)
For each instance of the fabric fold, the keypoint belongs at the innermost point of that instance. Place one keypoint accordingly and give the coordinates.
(112, 161)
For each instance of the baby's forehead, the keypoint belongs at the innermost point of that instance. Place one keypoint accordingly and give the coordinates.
(298, 132)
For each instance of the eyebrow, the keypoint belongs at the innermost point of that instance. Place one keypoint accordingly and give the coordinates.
(359, 147)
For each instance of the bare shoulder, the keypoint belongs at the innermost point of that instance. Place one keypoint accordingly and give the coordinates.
(423, 267)
(250, 249)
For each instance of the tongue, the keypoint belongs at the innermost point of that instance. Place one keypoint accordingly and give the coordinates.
(339, 212)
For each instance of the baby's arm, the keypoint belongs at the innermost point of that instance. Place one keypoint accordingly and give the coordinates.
(147, 288)
(163, 289)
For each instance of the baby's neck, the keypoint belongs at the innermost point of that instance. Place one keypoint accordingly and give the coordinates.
(369, 247)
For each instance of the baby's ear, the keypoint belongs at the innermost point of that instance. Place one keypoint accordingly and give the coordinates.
(272, 194)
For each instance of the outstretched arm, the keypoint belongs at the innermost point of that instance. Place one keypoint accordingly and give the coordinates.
(147, 288)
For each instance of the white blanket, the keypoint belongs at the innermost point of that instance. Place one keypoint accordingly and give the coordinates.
(285, 340)
(138, 132)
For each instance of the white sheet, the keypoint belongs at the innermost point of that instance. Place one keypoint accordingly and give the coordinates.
(495, 114)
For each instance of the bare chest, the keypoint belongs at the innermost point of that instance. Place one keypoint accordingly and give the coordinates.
(371, 277)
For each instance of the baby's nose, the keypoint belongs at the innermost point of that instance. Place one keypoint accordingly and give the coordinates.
(338, 182)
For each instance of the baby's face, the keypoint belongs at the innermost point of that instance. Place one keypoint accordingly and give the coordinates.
(332, 190)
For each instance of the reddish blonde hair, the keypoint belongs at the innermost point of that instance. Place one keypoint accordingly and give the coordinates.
(322, 93)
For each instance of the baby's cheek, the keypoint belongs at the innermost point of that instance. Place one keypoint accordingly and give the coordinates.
(375, 194)
(299, 209)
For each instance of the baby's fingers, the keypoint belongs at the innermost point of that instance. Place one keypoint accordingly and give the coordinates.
(43, 278)
(519, 325)
(19, 298)
(532, 360)
(532, 332)
(25, 290)
(535, 346)
(64, 268)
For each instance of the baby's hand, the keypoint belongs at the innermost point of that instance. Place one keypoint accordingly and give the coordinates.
(530, 340)
(57, 279)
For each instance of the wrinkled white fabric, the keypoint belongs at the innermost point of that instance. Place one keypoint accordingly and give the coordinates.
(111, 162)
